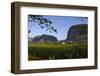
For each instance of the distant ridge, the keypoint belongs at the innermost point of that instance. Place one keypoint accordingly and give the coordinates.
(44, 38)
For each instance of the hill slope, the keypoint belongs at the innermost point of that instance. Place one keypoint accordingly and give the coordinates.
(44, 38)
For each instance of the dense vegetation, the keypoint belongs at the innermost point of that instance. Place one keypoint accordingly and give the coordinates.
(45, 51)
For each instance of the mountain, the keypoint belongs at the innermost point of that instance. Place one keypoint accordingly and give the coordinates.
(77, 33)
(30, 39)
(44, 38)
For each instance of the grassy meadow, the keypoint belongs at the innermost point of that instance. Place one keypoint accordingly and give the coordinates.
(51, 51)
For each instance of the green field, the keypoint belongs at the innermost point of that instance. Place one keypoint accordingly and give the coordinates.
(50, 51)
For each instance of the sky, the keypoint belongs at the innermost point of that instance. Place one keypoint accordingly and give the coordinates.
(61, 23)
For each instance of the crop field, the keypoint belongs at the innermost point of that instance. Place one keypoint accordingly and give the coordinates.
(52, 51)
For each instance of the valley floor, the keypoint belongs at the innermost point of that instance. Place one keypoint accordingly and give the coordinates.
(51, 51)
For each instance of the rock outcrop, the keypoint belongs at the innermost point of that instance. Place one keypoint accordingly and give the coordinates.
(77, 33)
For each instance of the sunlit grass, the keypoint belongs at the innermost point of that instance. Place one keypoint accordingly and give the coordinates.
(45, 51)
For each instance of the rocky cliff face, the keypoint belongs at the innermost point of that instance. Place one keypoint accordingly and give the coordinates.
(77, 33)
(44, 38)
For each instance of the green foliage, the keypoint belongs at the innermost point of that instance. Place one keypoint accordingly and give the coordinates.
(57, 51)
(42, 22)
